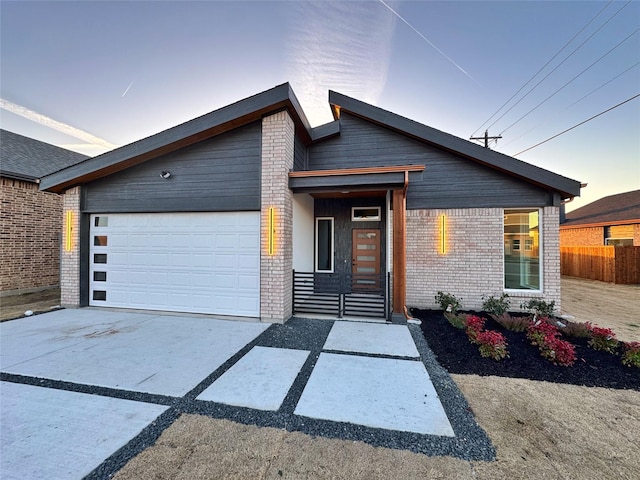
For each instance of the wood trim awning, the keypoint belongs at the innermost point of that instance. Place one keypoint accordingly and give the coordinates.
(365, 178)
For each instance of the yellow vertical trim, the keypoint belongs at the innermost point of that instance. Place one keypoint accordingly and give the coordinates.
(68, 241)
(271, 233)
(443, 235)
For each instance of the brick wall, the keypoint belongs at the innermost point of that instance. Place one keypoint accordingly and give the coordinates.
(582, 237)
(472, 265)
(30, 230)
(276, 299)
(70, 259)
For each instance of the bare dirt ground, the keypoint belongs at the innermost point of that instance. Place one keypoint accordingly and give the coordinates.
(604, 304)
(540, 430)
(15, 305)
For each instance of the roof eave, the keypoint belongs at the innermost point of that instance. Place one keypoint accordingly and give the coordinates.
(19, 176)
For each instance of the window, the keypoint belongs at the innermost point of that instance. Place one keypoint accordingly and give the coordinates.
(522, 267)
(101, 221)
(365, 214)
(324, 244)
(618, 235)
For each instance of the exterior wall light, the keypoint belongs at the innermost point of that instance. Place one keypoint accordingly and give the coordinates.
(166, 174)
(68, 241)
(271, 232)
(443, 234)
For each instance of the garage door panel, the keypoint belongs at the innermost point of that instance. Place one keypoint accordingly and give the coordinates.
(192, 262)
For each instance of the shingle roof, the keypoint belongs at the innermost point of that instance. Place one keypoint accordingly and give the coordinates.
(614, 209)
(29, 159)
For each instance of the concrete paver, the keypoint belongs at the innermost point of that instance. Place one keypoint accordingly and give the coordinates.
(375, 392)
(49, 433)
(260, 379)
(374, 338)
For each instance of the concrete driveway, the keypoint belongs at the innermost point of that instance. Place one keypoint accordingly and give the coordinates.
(83, 391)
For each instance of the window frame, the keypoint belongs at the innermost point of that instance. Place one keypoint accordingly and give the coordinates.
(333, 245)
(376, 218)
(541, 240)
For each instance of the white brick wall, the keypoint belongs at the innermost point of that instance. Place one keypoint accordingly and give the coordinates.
(473, 263)
(276, 278)
(70, 260)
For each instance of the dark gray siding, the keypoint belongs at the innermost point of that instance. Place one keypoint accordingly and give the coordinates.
(300, 160)
(219, 174)
(449, 181)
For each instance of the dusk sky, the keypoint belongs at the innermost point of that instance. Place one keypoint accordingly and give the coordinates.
(91, 76)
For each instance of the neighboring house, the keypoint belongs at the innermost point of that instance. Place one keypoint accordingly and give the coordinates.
(215, 215)
(612, 220)
(30, 220)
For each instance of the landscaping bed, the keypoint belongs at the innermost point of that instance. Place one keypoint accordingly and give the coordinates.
(458, 355)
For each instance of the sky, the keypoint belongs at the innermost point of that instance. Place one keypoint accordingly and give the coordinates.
(92, 76)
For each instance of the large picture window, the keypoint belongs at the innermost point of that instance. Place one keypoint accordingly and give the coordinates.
(522, 249)
(324, 244)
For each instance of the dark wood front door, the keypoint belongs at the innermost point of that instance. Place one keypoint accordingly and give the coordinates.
(365, 255)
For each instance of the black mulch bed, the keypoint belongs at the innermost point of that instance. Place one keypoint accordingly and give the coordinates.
(457, 355)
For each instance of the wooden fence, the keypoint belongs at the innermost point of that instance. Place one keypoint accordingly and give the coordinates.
(608, 264)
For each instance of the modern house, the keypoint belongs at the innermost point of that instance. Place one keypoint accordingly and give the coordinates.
(612, 220)
(30, 220)
(247, 211)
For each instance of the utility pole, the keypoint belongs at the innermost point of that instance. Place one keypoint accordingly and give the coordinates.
(486, 138)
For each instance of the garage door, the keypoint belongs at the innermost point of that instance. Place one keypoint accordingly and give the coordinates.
(181, 262)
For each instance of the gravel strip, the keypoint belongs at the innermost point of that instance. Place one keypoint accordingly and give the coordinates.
(470, 442)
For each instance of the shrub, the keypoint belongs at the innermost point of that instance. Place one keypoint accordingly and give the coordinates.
(539, 307)
(458, 320)
(545, 337)
(496, 306)
(603, 339)
(474, 326)
(492, 344)
(576, 329)
(537, 332)
(448, 302)
(514, 324)
(631, 354)
(560, 352)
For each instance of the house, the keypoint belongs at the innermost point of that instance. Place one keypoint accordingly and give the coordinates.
(248, 211)
(30, 220)
(612, 220)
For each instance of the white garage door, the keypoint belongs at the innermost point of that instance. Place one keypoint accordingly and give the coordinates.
(181, 262)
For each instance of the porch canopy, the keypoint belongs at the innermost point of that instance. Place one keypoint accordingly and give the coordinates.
(354, 179)
(368, 180)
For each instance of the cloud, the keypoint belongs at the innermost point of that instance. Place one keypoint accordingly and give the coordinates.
(55, 125)
(342, 46)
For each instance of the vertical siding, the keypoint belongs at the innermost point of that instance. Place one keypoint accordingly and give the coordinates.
(449, 181)
(300, 155)
(219, 174)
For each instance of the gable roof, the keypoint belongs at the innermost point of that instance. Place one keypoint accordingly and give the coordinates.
(567, 187)
(281, 98)
(201, 128)
(623, 208)
(25, 158)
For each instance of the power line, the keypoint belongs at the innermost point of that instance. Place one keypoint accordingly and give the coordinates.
(577, 125)
(541, 69)
(574, 103)
(557, 66)
(569, 82)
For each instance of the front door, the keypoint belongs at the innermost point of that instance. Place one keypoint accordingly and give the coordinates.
(365, 255)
